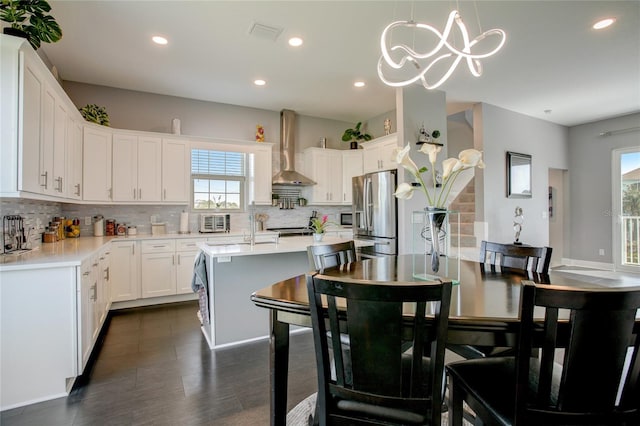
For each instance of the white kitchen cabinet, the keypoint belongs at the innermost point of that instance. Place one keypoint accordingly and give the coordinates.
(74, 159)
(47, 147)
(96, 164)
(186, 252)
(260, 174)
(87, 305)
(137, 168)
(324, 166)
(104, 288)
(158, 268)
(176, 171)
(125, 258)
(352, 161)
(378, 153)
(60, 146)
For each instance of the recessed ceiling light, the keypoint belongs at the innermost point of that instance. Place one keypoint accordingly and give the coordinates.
(259, 82)
(359, 84)
(159, 40)
(295, 41)
(603, 23)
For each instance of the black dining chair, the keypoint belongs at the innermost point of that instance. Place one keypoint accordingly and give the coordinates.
(526, 258)
(386, 383)
(330, 255)
(590, 385)
(533, 260)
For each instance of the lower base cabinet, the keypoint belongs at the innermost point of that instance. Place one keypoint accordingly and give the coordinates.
(125, 258)
(158, 268)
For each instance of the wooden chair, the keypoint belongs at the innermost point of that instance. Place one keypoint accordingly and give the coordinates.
(388, 385)
(526, 258)
(583, 389)
(330, 255)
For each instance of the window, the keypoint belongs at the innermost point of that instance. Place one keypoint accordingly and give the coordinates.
(218, 180)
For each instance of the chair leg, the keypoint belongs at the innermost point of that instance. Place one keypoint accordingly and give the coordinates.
(456, 409)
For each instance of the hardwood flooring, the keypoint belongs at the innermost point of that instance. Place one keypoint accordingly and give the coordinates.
(155, 368)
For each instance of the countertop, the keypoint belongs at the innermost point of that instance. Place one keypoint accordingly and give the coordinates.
(72, 251)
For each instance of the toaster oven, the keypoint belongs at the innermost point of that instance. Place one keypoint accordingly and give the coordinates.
(215, 222)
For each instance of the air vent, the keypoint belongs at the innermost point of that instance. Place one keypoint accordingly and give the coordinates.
(265, 31)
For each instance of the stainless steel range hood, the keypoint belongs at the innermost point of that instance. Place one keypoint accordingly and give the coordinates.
(287, 174)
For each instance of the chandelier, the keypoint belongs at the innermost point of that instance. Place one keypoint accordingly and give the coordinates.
(401, 65)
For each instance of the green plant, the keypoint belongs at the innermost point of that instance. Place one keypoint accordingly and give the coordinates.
(355, 135)
(95, 114)
(435, 134)
(31, 18)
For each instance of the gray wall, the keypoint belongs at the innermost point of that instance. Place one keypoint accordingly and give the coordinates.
(547, 143)
(590, 180)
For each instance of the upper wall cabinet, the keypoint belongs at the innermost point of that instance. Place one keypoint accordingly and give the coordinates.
(324, 166)
(137, 168)
(35, 121)
(176, 161)
(260, 174)
(96, 155)
(352, 162)
(378, 153)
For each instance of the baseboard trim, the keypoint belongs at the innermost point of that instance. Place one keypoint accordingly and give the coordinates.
(588, 264)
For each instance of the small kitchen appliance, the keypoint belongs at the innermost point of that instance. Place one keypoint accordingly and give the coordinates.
(215, 222)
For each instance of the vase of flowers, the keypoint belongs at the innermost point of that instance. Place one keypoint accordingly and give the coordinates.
(436, 195)
(319, 226)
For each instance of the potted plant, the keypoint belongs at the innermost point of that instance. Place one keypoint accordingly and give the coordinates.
(30, 19)
(355, 135)
(95, 114)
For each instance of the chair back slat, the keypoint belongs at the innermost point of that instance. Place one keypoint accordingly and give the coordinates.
(387, 378)
(585, 383)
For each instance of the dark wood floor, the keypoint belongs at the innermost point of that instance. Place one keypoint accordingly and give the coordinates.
(155, 368)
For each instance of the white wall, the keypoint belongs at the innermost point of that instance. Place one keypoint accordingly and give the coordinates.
(547, 143)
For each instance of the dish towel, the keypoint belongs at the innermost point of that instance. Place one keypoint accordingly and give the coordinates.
(199, 284)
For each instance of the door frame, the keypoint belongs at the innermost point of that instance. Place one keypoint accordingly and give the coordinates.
(616, 213)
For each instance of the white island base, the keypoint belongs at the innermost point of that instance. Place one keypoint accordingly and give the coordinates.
(236, 271)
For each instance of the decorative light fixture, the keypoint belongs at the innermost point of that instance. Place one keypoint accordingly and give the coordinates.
(420, 61)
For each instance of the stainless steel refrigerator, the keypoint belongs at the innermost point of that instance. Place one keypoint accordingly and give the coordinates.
(375, 210)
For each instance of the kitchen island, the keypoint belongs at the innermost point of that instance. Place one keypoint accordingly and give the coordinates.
(235, 271)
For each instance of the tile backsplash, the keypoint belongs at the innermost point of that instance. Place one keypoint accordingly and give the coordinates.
(38, 214)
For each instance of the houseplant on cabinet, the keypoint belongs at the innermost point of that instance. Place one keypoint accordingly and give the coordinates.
(355, 135)
(30, 19)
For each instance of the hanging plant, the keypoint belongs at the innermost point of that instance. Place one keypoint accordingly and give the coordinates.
(95, 114)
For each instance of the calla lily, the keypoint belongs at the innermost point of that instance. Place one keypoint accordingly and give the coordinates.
(471, 158)
(431, 150)
(401, 156)
(404, 191)
(449, 166)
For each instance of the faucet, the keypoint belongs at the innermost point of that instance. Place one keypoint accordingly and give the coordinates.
(252, 223)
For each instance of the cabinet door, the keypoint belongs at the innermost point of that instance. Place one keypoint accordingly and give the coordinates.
(124, 277)
(324, 166)
(184, 271)
(88, 298)
(31, 130)
(125, 167)
(104, 281)
(176, 171)
(158, 274)
(74, 159)
(96, 164)
(378, 153)
(149, 169)
(47, 142)
(60, 135)
(261, 174)
(351, 166)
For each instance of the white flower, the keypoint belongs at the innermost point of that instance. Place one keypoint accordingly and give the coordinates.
(404, 191)
(451, 168)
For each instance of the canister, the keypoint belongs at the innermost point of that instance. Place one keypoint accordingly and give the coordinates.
(49, 236)
(110, 227)
(121, 229)
(132, 230)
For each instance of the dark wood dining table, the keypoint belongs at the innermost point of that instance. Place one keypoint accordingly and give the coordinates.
(484, 305)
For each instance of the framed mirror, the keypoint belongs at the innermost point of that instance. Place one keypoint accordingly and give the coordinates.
(518, 175)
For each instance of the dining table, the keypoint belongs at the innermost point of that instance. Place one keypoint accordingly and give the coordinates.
(485, 302)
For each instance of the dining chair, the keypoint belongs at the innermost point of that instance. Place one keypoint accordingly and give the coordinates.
(388, 384)
(596, 381)
(534, 260)
(330, 255)
(527, 258)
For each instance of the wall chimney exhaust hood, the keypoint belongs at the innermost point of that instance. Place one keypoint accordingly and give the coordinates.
(287, 174)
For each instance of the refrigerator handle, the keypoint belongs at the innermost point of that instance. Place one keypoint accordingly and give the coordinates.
(367, 204)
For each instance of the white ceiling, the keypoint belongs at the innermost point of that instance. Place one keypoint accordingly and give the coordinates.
(552, 59)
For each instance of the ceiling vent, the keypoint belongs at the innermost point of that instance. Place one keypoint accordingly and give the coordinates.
(265, 31)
